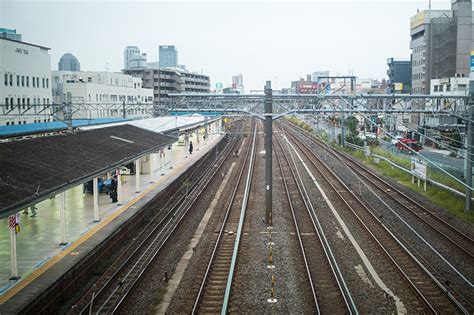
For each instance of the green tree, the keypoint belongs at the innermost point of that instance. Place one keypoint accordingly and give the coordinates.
(351, 124)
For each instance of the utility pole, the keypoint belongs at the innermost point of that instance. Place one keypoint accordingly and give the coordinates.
(343, 130)
(268, 152)
(469, 148)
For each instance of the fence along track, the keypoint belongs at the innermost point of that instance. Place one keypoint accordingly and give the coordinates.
(430, 290)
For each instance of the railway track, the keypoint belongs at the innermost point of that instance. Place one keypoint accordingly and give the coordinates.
(119, 280)
(433, 296)
(215, 289)
(456, 239)
(328, 288)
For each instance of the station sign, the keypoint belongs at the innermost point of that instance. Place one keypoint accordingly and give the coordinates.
(418, 168)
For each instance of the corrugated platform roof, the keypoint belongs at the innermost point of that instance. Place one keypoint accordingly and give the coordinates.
(37, 168)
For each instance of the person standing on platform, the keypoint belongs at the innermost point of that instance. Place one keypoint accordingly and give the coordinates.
(190, 147)
(113, 189)
(33, 211)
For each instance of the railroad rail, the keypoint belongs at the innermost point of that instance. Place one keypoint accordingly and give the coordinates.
(118, 281)
(328, 288)
(434, 222)
(216, 284)
(433, 295)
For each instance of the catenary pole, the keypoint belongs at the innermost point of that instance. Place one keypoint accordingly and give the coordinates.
(268, 152)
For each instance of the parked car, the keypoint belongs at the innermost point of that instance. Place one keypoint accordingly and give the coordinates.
(396, 139)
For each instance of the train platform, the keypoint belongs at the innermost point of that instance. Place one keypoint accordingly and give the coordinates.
(42, 255)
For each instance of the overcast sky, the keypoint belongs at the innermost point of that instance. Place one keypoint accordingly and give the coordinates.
(279, 41)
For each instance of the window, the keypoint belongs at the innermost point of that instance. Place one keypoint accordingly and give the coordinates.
(441, 88)
(448, 87)
(43, 82)
(28, 102)
(18, 101)
(11, 79)
(37, 82)
(27, 81)
(47, 83)
(11, 102)
(24, 122)
(23, 102)
(6, 79)
(47, 101)
(436, 88)
(462, 87)
(8, 123)
(33, 81)
(17, 80)
(6, 102)
(22, 80)
(13, 123)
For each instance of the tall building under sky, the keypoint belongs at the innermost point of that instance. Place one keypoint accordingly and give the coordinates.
(441, 42)
(168, 56)
(128, 53)
(69, 62)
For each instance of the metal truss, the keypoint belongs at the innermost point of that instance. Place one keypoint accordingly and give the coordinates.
(284, 104)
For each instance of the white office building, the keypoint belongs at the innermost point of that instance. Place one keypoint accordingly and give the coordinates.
(101, 94)
(25, 76)
(454, 86)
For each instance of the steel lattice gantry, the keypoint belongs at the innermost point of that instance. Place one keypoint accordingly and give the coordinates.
(253, 104)
(326, 104)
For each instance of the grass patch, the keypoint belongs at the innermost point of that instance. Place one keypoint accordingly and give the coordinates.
(452, 203)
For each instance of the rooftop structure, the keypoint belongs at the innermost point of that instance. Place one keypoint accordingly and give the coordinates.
(69, 62)
(10, 34)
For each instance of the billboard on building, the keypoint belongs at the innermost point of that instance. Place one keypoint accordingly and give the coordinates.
(417, 20)
(398, 86)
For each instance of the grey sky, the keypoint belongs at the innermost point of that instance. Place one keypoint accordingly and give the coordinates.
(278, 41)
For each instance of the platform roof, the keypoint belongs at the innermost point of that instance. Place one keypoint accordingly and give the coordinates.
(35, 169)
(35, 128)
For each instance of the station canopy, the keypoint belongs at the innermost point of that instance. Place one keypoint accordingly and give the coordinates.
(35, 169)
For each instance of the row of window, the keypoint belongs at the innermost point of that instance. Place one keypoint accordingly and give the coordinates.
(24, 102)
(12, 123)
(418, 76)
(417, 62)
(418, 49)
(441, 87)
(119, 98)
(24, 81)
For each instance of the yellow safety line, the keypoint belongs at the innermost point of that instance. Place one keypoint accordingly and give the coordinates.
(46, 266)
